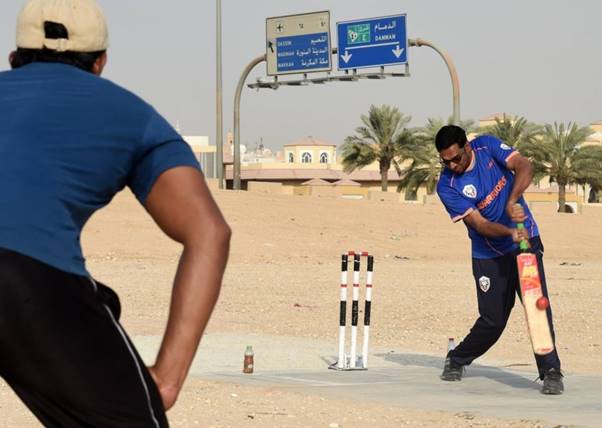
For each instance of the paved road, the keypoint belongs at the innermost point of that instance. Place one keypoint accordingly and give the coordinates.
(395, 377)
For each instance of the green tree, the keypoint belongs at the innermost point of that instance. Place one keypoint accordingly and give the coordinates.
(560, 154)
(513, 132)
(588, 166)
(380, 140)
(421, 164)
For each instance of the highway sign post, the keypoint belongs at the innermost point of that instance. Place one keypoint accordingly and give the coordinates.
(298, 43)
(372, 42)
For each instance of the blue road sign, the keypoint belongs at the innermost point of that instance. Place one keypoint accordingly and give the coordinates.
(372, 42)
(302, 53)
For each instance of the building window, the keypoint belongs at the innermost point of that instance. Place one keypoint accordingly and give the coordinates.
(291, 158)
(323, 157)
(306, 157)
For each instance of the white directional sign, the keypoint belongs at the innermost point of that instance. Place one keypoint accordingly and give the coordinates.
(298, 43)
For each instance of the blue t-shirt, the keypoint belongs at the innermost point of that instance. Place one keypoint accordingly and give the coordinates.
(486, 187)
(69, 141)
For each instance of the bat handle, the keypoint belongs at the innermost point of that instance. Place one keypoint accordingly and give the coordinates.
(524, 244)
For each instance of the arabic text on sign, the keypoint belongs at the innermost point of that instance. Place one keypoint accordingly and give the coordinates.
(383, 27)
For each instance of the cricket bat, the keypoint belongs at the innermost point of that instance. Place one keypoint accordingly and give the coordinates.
(534, 302)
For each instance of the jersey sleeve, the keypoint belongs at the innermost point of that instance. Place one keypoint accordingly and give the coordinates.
(162, 148)
(457, 206)
(499, 150)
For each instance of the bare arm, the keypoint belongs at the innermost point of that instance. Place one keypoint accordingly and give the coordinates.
(523, 175)
(491, 229)
(182, 206)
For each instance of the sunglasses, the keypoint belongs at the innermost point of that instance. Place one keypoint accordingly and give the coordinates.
(456, 159)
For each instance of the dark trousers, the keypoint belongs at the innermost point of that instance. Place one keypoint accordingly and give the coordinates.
(497, 285)
(64, 353)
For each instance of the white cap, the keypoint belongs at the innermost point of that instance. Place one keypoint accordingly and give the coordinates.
(83, 19)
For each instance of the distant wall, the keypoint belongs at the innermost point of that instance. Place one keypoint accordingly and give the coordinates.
(316, 191)
(323, 191)
(355, 192)
(270, 188)
(288, 190)
(301, 190)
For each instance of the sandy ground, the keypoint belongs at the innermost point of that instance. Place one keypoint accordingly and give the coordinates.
(282, 279)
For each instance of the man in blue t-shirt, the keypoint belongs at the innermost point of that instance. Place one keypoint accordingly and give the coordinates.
(69, 141)
(482, 184)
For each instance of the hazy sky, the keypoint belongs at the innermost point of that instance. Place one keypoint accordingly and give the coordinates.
(538, 59)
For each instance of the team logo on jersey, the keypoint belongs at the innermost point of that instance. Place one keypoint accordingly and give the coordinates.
(484, 284)
(505, 146)
(470, 191)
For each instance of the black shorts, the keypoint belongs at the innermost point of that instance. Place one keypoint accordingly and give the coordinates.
(64, 353)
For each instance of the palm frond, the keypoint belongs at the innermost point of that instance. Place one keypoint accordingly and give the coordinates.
(384, 132)
(514, 131)
(561, 155)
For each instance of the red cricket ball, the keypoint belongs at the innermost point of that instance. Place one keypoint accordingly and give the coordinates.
(542, 303)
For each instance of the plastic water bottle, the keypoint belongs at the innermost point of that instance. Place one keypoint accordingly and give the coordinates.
(451, 345)
(248, 361)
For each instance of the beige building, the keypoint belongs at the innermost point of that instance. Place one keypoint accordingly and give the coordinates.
(490, 120)
(596, 137)
(310, 151)
(310, 158)
(204, 152)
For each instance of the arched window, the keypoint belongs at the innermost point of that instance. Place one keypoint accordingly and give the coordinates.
(323, 157)
(291, 157)
(306, 157)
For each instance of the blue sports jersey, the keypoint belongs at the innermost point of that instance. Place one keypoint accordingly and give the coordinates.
(69, 141)
(486, 187)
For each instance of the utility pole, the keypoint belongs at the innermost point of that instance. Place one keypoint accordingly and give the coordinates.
(219, 134)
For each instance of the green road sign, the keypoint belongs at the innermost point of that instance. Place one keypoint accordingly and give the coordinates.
(358, 34)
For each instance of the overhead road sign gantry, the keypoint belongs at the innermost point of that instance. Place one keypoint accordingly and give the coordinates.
(372, 42)
(298, 43)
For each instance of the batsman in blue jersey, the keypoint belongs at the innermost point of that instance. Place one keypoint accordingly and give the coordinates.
(482, 184)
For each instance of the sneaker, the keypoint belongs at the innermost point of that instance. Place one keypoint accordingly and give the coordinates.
(552, 382)
(452, 372)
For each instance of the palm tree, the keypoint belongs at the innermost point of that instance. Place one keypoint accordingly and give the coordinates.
(380, 140)
(588, 166)
(561, 156)
(423, 166)
(513, 132)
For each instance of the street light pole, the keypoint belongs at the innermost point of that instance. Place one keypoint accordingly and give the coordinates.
(452, 73)
(219, 134)
(241, 83)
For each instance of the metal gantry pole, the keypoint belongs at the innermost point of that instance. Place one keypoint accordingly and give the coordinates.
(237, 95)
(219, 119)
(452, 72)
(236, 179)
